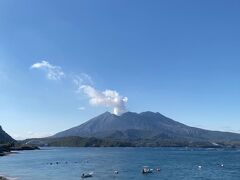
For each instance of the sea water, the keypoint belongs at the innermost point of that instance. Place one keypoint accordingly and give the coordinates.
(70, 163)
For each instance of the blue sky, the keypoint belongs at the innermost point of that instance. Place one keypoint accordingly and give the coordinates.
(180, 58)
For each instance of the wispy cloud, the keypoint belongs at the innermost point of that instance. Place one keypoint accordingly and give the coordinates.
(81, 79)
(52, 72)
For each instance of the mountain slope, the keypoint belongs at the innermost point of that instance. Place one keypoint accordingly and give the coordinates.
(145, 125)
(4, 137)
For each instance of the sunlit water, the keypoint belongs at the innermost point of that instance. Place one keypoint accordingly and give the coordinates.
(175, 163)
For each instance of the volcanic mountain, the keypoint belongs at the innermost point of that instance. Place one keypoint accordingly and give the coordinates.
(146, 125)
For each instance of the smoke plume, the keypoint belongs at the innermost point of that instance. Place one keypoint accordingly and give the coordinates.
(108, 98)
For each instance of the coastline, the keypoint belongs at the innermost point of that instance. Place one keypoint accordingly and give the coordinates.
(6, 153)
(3, 178)
(7, 149)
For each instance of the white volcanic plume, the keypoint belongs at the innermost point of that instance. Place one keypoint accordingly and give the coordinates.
(108, 98)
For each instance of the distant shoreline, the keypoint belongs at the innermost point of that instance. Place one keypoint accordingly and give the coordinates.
(7, 149)
(75, 141)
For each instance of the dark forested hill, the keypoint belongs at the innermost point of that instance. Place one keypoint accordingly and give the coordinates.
(4, 137)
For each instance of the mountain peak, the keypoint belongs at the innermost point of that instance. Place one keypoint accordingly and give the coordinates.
(107, 114)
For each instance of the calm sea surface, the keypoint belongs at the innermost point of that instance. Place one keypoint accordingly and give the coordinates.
(175, 163)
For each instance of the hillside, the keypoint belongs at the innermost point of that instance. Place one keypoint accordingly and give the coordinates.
(4, 137)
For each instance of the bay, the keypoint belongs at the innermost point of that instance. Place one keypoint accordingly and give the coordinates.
(70, 163)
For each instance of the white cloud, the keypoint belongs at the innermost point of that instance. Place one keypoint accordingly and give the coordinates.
(108, 98)
(53, 72)
(81, 108)
(87, 79)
